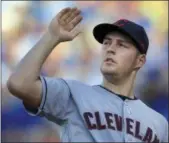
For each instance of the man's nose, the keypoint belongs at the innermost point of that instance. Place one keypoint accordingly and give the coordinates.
(112, 48)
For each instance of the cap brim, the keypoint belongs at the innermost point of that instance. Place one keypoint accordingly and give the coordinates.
(101, 30)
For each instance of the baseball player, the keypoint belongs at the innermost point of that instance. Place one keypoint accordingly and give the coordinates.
(109, 112)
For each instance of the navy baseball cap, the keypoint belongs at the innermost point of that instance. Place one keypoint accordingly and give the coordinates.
(135, 31)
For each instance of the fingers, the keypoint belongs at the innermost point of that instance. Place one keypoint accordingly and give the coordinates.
(67, 15)
(75, 12)
(63, 12)
(69, 18)
(75, 22)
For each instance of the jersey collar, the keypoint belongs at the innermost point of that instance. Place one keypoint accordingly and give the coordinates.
(119, 95)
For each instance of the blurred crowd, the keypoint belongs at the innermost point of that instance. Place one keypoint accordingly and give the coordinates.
(24, 22)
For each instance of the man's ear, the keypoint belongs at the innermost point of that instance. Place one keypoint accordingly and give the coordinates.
(140, 61)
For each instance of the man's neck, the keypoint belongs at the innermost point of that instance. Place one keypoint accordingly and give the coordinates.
(124, 87)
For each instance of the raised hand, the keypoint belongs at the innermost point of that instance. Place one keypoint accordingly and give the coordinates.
(65, 25)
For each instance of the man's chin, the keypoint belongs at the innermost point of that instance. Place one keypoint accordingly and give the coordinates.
(108, 71)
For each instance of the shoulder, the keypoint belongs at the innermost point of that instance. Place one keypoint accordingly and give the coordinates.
(72, 82)
(75, 84)
(61, 80)
(151, 112)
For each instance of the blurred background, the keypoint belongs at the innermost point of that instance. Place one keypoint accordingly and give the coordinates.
(24, 22)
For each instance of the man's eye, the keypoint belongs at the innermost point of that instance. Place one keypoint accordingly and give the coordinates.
(122, 45)
(105, 42)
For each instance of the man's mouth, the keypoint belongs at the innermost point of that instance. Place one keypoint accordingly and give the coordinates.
(109, 60)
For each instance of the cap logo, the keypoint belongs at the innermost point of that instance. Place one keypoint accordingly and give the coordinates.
(121, 22)
(124, 20)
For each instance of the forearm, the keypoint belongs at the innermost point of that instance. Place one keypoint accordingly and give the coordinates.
(30, 66)
(24, 82)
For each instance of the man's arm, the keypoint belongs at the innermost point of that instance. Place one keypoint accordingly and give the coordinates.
(25, 83)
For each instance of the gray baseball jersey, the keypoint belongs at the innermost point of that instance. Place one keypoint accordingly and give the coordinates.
(95, 114)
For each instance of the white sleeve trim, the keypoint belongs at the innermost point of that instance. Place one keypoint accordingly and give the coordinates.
(43, 100)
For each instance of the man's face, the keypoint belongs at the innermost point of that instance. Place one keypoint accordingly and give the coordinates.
(119, 55)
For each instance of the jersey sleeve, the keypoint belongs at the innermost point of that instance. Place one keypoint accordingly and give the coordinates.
(54, 101)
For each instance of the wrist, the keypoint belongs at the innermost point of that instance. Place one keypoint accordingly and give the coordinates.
(53, 40)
